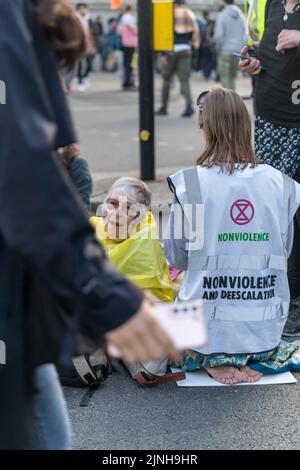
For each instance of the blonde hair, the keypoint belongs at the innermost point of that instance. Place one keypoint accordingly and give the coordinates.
(228, 134)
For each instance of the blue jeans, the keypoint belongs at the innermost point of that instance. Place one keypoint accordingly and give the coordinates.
(52, 425)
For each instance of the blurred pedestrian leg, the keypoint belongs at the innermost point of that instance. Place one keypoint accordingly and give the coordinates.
(228, 69)
(229, 37)
(128, 53)
(53, 429)
(179, 63)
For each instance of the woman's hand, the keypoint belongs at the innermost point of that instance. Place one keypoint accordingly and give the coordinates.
(142, 339)
(252, 66)
(288, 39)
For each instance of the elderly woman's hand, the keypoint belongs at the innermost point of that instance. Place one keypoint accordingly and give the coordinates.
(288, 39)
(252, 65)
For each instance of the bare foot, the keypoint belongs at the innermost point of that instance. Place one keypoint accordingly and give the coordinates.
(250, 375)
(226, 375)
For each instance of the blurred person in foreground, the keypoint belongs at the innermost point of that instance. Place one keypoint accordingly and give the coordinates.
(59, 296)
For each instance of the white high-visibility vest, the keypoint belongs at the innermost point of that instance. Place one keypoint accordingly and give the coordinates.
(237, 236)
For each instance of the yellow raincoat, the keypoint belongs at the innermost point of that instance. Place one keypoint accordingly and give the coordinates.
(140, 258)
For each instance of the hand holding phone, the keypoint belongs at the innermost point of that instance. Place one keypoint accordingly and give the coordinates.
(242, 57)
(183, 322)
(249, 64)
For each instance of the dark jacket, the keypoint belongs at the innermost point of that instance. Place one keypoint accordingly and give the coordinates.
(46, 243)
(81, 177)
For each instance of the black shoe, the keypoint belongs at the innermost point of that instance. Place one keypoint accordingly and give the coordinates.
(292, 326)
(130, 88)
(162, 112)
(188, 112)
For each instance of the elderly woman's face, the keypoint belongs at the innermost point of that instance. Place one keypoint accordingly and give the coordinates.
(121, 214)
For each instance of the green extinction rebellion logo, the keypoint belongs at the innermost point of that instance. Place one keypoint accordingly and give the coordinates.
(242, 213)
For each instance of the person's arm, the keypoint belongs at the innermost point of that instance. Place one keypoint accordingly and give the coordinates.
(39, 216)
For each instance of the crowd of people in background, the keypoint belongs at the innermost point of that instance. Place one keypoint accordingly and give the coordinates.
(113, 47)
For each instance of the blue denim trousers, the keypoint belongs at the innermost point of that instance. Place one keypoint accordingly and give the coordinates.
(51, 421)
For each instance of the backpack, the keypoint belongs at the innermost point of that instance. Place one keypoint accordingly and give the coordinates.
(88, 370)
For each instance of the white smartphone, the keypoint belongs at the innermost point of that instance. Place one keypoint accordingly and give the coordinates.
(184, 322)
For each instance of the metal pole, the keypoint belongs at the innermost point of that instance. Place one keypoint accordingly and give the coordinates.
(146, 90)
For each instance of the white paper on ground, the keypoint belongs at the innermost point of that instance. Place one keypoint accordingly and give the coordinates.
(202, 379)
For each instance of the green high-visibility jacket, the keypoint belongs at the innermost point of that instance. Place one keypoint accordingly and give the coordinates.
(255, 12)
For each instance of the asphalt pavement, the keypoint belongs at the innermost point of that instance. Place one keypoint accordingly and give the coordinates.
(121, 415)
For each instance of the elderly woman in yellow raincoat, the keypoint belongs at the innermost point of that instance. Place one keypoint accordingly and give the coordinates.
(128, 234)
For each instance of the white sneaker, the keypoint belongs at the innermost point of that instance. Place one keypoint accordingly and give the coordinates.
(81, 87)
(86, 82)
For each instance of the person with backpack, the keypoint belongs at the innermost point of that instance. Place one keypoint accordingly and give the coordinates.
(277, 125)
(236, 217)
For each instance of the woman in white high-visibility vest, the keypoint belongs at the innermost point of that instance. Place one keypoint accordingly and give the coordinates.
(231, 231)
